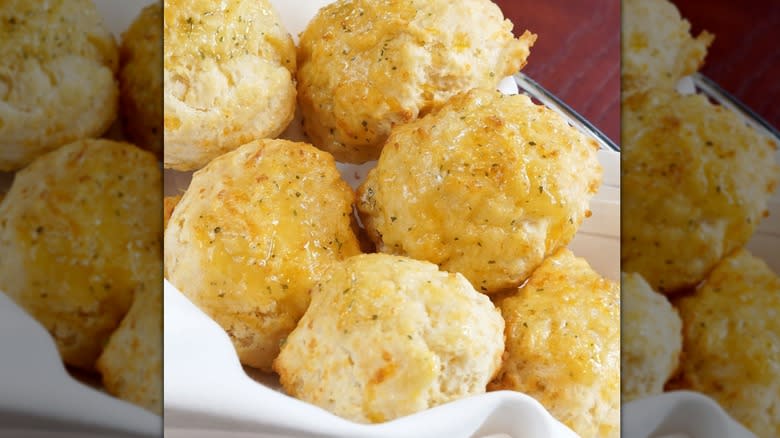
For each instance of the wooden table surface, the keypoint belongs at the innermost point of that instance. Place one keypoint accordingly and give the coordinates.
(745, 56)
(576, 55)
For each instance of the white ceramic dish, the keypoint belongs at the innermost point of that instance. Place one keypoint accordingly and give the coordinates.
(38, 398)
(679, 413)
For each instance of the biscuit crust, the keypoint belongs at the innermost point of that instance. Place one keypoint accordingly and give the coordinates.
(657, 47)
(487, 186)
(131, 365)
(80, 234)
(695, 181)
(140, 80)
(368, 65)
(652, 339)
(229, 71)
(563, 344)
(388, 336)
(731, 333)
(253, 233)
(57, 66)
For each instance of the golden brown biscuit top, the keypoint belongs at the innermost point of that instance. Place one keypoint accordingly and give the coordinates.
(367, 65)
(200, 30)
(35, 31)
(696, 180)
(259, 216)
(737, 303)
(88, 205)
(80, 232)
(570, 309)
(485, 186)
(388, 336)
(657, 48)
(563, 344)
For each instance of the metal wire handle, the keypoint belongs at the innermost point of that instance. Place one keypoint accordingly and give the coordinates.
(533, 89)
(712, 90)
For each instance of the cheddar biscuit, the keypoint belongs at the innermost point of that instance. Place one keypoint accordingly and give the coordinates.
(140, 79)
(563, 344)
(388, 336)
(731, 333)
(487, 186)
(228, 78)
(368, 65)
(652, 339)
(132, 361)
(695, 181)
(253, 233)
(57, 66)
(80, 234)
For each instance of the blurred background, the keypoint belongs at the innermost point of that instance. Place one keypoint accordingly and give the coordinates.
(745, 56)
(576, 55)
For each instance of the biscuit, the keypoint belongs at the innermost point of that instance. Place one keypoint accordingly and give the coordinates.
(657, 47)
(229, 71)
(367, 65)
(652, 339)
(731, 335)
(695, 182)
(57, 66)
(388, 336)
(131, 363)
(140, 80)
(80, 233)
(253, 233)
(487, 186)
(563, 345)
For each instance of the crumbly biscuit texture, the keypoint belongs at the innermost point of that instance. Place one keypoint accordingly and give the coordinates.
(368, 65)
(696, 180)
(731, 337)
(140, 79)
(658, 49)
(652, 339)
(487, 186)
(388, 336)
(228, 78)
(253, 233)
(563, 345)
(80, 234)
(132, 362)
(57, 66)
